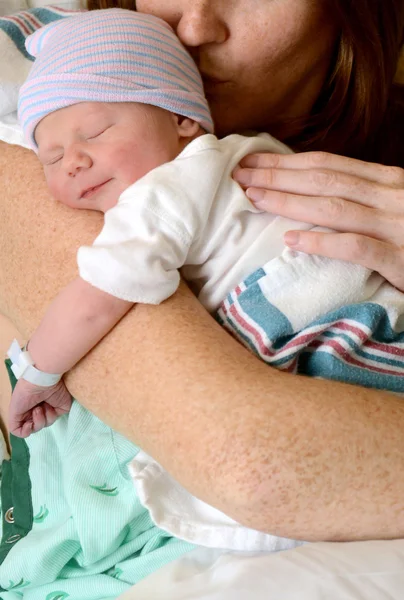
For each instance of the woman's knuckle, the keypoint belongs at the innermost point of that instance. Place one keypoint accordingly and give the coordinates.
(323, 179)
(334, 207)
(319, 158)
(400, 200)
(395, 175)
(271, 159)
(268, 177)
(277, 202)
(357, 247)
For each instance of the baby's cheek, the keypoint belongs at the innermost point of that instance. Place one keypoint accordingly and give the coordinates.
(128, 163)
(60, 191)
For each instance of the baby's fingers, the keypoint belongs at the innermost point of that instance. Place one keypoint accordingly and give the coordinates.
(23, 430)
(51, 414)
(38, 418)
(43, 415)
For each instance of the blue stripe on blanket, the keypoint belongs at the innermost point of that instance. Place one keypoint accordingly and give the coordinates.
(328, 366)
(370, 315)
(354, 343)
(20, 25)
(361, 353)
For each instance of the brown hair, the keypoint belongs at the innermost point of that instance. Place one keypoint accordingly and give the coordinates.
(360, 111)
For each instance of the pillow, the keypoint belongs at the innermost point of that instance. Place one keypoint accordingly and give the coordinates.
(15, 61)
(8, 7)
(11, 6)
(69, 4)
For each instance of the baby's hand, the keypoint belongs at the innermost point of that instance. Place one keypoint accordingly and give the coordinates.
(34, 407)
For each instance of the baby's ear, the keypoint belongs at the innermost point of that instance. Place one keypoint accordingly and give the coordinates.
(186, 127)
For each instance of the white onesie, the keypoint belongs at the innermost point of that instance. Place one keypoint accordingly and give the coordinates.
(188, 215)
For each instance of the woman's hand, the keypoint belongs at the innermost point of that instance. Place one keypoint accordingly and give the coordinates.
(34, 407)
(363, 202)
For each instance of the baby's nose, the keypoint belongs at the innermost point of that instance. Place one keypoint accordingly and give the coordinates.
(76, 161)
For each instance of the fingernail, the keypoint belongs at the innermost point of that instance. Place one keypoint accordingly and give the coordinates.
(291, 238)
(256, 195)
(249, 161)
(240, 175)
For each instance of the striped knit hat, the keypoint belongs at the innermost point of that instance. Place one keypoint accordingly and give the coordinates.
(111, 55)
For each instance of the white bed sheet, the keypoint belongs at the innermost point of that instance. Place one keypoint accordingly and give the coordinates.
(323, 571)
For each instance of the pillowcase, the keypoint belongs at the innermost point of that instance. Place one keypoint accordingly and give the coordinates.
(15, 61)
(11, 6)
(68, 4)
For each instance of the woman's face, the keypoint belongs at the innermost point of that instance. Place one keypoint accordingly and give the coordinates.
(262, 61)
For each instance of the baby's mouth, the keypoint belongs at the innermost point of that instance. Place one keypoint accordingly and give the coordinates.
(90, 191)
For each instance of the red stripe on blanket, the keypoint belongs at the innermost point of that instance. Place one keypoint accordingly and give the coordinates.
(342, 353)
(252, 330)
(20, 24)
(33, 21)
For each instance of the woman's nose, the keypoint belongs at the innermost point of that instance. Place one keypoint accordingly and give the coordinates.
(200, 23)
(76, 160)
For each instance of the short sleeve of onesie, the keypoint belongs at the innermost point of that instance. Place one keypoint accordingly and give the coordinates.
(142, 245)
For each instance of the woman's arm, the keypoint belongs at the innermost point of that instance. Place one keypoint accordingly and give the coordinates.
(290, 455)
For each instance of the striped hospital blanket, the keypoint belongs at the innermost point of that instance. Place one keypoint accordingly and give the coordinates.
(323, 318)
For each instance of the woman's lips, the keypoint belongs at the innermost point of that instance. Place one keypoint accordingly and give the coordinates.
(213, 80)
(212, 84)
(90, 191)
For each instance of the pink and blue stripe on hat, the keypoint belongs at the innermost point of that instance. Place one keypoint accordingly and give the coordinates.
(111, 55)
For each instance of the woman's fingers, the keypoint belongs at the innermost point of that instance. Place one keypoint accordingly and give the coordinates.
(363, 200)
(332, 212)
(321, 182)
(390, 176)
(380, 256)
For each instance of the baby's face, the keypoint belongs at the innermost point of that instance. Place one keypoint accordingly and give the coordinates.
(91, 152)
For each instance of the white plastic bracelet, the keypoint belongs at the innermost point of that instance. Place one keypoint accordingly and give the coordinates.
(23, 367)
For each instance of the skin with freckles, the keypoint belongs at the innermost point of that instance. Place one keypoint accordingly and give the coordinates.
(290, 455)
(287, 46)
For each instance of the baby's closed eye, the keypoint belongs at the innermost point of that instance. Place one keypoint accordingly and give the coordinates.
(53, 160)
(49, 160)
(92, 137)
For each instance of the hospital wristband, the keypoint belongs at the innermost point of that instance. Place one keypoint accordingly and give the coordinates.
(23, 367)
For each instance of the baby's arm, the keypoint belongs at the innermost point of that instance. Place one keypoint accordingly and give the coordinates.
(76, 321)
